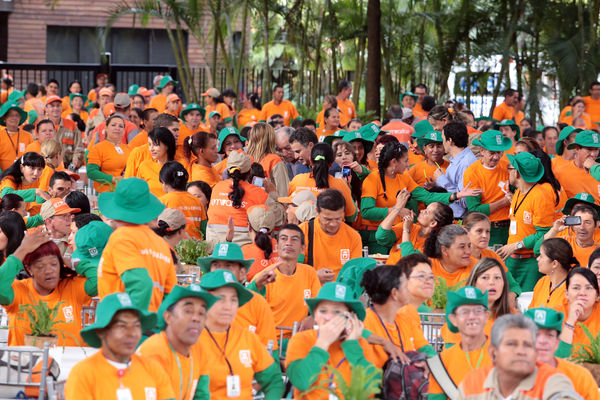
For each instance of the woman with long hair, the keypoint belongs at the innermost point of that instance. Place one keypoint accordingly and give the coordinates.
(22, 178)
(261, 147)
(263, 249)
(250, 113)
(171, 226)
(161, 144)
(203, 147)
(12, 232)
(352, 172)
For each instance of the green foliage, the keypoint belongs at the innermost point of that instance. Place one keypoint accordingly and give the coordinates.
(589, 353)
(189, 250)
(440, 293)
(364, 383)
(41, 318)
(307, 112)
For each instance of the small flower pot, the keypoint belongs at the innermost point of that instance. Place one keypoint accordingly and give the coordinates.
(39, 341)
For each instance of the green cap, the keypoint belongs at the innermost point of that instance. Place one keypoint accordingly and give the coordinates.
(227, 119)
(219, 278)
(493, 140)
(73, 95)
(166, 80)
(370, 131)
(338, 134)
(6, 107)
(357, 135)
(586, 139)
(340, 293)
(586, 198)
(352, 272)
(464, 295)
(90, 241)
(411, 94)
(213, 113)
(529, 167)
(430, 137)
(484, 118)
(228, 131)
(421, 128)
(546, 318)
(106, 310)
(564, 134)
(131, 202)
(192, 107)
(33, 116)
(225, 251)
(16, 96)
(182, 292)
(512, 124)
(133, 89)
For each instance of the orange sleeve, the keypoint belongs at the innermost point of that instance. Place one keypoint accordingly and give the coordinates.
(95, 155)
(544, 210)
(371, 185)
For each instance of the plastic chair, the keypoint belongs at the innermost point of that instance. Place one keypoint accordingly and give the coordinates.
(432, 324)
(16, 371)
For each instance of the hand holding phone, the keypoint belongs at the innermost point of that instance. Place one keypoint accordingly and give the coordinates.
(572, 220)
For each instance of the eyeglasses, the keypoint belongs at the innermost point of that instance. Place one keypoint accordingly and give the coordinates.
(510, 168)
(465, 312)
(423, 277)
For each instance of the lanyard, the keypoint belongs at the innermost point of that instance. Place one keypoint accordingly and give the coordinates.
(386, 331)
(15, 148)
(552, 290)
(222, 350)
(478, 361)
(522, 200)
(331, 384)
(189, 385)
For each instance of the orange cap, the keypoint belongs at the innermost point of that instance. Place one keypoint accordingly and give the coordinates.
(108, 109)
(56, 206)
(147, 92)
(173, 97)
(105, 92)
(52, 99)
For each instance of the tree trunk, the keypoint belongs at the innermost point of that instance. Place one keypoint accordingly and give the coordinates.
(241, 59)
(266, 90)
(373, 102)
(468, 70)
(315, 89)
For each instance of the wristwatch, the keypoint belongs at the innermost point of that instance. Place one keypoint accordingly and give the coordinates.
(520, 245)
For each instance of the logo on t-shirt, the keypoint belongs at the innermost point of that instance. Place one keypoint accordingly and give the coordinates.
(307, 294)
(344, 255)
(252, 328)
(150, 393)
(246, 358)
(527, 217)
(68, 313)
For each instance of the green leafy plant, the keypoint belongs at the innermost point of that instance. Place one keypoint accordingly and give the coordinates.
(588, 353)
(440, 293)
(189, 250)
(41, 318)
(364, 383)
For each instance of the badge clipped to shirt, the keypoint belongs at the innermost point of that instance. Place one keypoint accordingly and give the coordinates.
(22, 147)
(119, 150)
(513, 227)
(233, 386)
(124, 394)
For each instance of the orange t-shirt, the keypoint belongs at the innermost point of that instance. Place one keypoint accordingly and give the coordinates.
(111, 159)
(8, 182)
(256, 316)
(373, 188)
(221, 108)
(347, 111)
(221, 207)
(422, 171)
(503, 111)
(285, 109)
(71, 291)
(563, 113)
(137, 156)
(323, 133)
(149, 171)
(332, 251)
(537, 209)
(575, 180)
(592, 107)
(253, 252)
(132, 247)
(203, 173)
(587, 120)
(12, 146)
(220, 167)
(493, 182)
(452, 278)
(35, 146)
(190, 206)
(417, 241)
(592, 323)
(268, 162)
(306, 181)
(320, 118)
(582, 254)
(544, 297)
(184, 133)
(139, 140)
(582, 379)
(400, 130)
(159, 102)
(246, 117)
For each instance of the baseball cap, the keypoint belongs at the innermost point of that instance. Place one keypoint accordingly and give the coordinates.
(105, 92)
(212, 92)
(173, 217)
(52, 99)
(108, 109)
(261, 217)
(122, 100)
(299, 197)
(56, 206)
(173, 97)
(240, 160)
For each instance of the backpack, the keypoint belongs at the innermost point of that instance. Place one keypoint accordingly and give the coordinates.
(405, 381)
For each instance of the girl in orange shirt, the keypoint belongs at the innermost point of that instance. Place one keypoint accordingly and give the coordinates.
(263, 247)
(22, 178)
(329, 101)
(261, 147)
(161, 144)
(250, 114)
(203, 146)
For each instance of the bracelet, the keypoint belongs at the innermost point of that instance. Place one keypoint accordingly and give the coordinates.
(453, 197)
(568, 325)
(405, 230)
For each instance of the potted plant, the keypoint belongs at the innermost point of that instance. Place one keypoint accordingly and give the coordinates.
(42, 320)
(188, 251)
(363, 384)
(588, 355)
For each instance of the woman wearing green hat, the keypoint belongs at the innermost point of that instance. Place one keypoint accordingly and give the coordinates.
(13, 139)
(565, 138)
(237, 355)
(336, 344)
(76, 102)
(576, 176)
(192, 117)
(229, 140)
(361, 146)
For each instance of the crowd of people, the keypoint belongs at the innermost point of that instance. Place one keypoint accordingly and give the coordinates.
(328, 239)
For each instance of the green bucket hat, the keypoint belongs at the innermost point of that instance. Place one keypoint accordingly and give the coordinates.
(352, 272)
(181, 292)
(73, 95)
(564, 134)
(166, 80)
(464, 295)
(192, 107)
(106, 310)
(216, 279)
(370, 131)
(430, 137)
(16, 96)
(512, 124)
(213, 113)
(529, 167)
(6, 107)
(90, 241)
(338, 134)
(228, 131)
(484, 118)
(225, 251)
(493, 140)
(133, 89)
(546, 318)
(131, 202)
(586, 198)
(32, 116)
(340, 293)
(357, 135)
(411, 94)
(586, 139)
(422, 128)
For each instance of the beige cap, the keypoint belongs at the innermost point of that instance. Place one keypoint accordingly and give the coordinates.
(174, 218)
(212, 92)
(299, 197)
(261, 218)
(56, 206)
(239, 159)
(306, 211)
(122, 100)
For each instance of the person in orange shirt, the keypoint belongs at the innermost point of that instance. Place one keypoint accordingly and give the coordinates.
(73, 88)
(555, 261)
(135, 259)
(337, 344)
(22, 178)
(174, 178)
(592, 102)
(578, 113)
(511, 130)
(433, 149)
(44, 130)
(214, 102)
(330, 242)
(173, 106)
(115, 371)
(563, 155)
(181, 319)
(237, 356)
(192, 122)
(76, 102)
(396, 127)
(331, 123)
(96, 114)
(166, 87)
(550, 138)
(344, 104)
(361, 146)
(51, 151)
(421, 91)
(161, 144)
(106, 160)
(67, 133)
(261, 147)
(279, 106)
(229, 140)
(250, 113)
(506, 110)
(50, 281)
(261, 222)
(148, 116)
(329, 101)
(13, 139)
(202, 146)
(549, 323)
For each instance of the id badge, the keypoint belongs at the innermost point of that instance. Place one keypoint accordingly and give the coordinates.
(21, 147)
(124, 394)
(233, 386)
(513, 227)
(119, 150)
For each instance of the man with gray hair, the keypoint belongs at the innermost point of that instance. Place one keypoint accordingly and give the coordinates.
(284, 150)
(515, 375)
